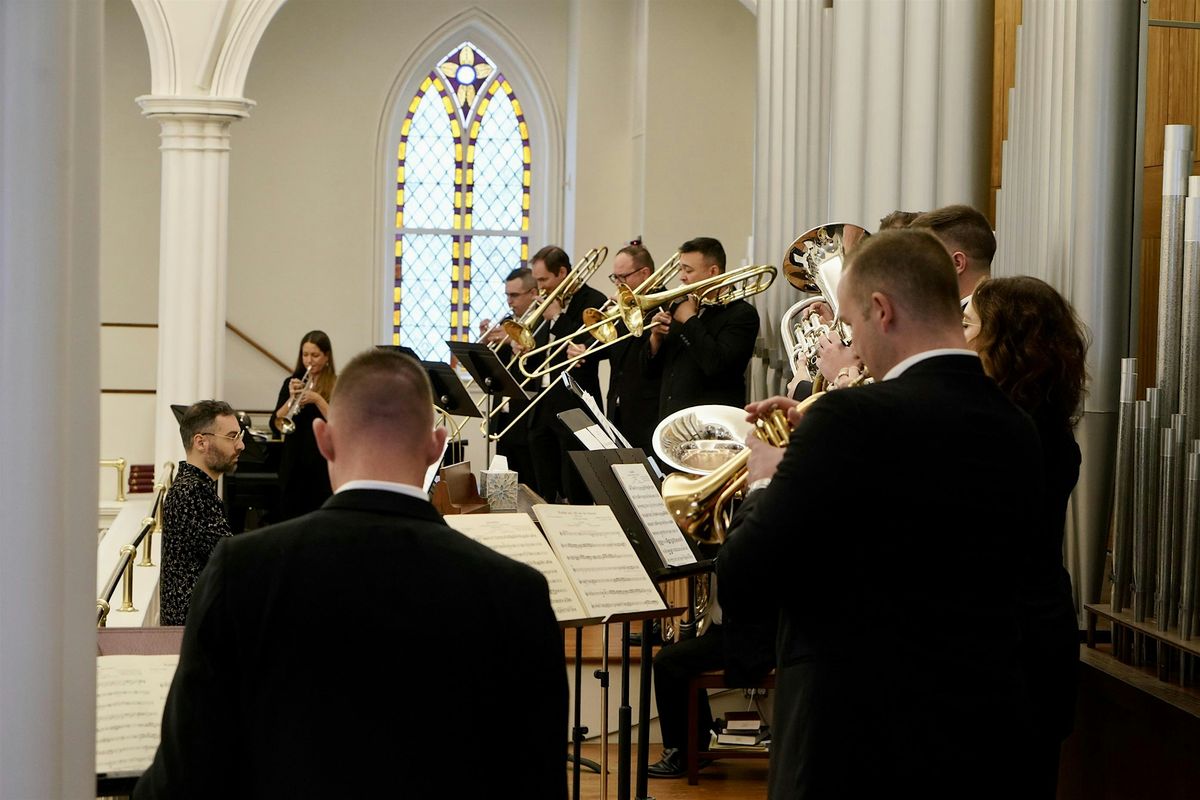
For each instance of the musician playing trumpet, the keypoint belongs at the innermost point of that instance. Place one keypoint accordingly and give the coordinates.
(700, 354)
(303, 473)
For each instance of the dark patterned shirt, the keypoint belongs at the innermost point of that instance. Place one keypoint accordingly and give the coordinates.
(193, 523)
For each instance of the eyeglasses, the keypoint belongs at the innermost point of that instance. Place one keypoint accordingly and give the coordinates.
(514, 295)
(615, 278)
(229, 437)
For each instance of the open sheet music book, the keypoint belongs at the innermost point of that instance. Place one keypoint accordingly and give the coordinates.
(592, 569)
(130, 694)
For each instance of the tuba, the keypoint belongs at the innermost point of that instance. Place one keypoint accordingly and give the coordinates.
(813, 264)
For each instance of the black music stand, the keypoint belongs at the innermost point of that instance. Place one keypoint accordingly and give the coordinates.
(491, 376)
(595, 467)
(449, 394)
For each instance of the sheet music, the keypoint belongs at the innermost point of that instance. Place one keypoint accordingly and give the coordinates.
(599, 559)
(515, 536)
(130, 694)
(593, 437)
(668, 540)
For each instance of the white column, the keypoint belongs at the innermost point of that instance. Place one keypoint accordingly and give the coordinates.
(50, 69)
(193, 256)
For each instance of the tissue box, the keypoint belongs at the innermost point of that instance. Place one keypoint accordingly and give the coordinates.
(500, 489)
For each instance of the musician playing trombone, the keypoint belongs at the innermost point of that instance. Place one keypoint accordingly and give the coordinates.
(520, 290)
(700, 354)
(632, 394)
(549, 439)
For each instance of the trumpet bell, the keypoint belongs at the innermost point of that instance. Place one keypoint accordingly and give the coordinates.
(286, 426)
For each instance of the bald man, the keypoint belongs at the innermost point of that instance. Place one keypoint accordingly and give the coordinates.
(334, 655)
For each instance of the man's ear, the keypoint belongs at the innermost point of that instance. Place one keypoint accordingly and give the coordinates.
(960, 261)
(883, 309)
(324, 438)
(437, 445)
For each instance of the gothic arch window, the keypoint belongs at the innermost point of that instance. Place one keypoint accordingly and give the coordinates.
(463, 168)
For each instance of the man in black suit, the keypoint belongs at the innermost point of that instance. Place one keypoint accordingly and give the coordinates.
(366, 649)
(967, 235)
(700, 354)
(521, 292)
(632, 399)
(886, 536)
(549, 439)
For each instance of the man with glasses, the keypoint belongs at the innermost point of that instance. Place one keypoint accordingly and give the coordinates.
(632, 399)
(520, 289)
(193, 515)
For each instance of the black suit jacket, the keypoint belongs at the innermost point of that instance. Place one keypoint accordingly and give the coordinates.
(703, 361)
(364, 650)
(569, 321)
(888, 541)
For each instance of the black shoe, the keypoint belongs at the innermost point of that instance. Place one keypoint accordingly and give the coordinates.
(669, 766)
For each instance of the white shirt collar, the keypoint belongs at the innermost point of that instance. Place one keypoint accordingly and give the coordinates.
(899, 369)
(384, 486)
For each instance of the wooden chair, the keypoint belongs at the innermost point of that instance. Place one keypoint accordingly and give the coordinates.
(713, 679)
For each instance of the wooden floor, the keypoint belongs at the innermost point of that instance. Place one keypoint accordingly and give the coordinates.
(736, 779)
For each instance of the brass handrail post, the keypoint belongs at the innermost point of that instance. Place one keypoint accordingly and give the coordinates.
(129, 551)
(101, 613)
(168, 473)
(119, 465)
(146, 542)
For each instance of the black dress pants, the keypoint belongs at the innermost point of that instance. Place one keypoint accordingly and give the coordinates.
(674, 666)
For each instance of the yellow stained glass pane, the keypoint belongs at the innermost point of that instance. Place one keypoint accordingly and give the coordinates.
(467, 249)
(454, 294)
(398, 249)
(399, 174)
(396, 317)
(458, 175)
(454, 318)
(466, 299)
(524, 129)
(449, 106)
(395, 338)
(405, 128)
(525, 179)
(396, 294)
(470, 172)
(469, 221)
(471, 154)
(454, 248)
(467, 276)
(457, 222)
(525, 227)
(525, 202)
(467, 315)
(399, 222)
(400, 152)
(525, 153)
(516, 106)
(454, 129)
(458, 198)
(399, 197)
(507, 87)
(454, 271)
(470, 199)
(458, 151)
(524, 251)
(475, 129)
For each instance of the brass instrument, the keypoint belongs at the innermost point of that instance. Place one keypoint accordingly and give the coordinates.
(600, 324)
(701, 504)
(287, 423)
(813, 264)
(631, 306)
(520, 330)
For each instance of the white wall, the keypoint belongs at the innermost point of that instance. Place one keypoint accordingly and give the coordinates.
(302, 245)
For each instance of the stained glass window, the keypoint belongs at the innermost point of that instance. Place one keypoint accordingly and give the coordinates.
(462, 202)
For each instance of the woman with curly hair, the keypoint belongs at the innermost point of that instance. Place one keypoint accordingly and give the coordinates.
(1033, 345)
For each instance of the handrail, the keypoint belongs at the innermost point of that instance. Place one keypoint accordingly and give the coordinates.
(237, 331)
(124, 565)
(119, 465)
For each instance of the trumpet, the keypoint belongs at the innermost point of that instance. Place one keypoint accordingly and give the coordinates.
(520, 330)
(631, 307)
(287, 423)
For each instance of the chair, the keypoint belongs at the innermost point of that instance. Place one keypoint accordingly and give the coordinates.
(714, 679)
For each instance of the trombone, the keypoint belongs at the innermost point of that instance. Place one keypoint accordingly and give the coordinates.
(631, 308)
(601, 323)
(520, 333)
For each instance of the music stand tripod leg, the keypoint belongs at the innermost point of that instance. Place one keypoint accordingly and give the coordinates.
(578, 731)
(643, 748)
(624, 720)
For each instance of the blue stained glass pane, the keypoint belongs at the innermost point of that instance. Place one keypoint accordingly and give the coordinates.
(492, 258)
(429, 167)
(499, 168)
(425, 294)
